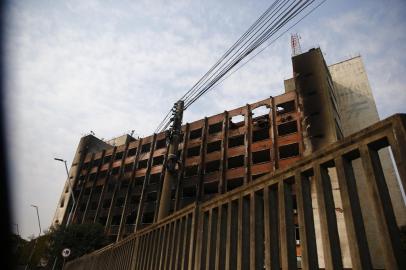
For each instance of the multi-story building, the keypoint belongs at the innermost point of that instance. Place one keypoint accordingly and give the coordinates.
(118, 183)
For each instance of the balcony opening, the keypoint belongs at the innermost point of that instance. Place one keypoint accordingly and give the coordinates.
(234, 183)
(236, 141)
(124, 184)
(215, 128)
(213, 146)
(107, 159)
(287, 128)
(110, 187)
(235, 162)
(236, 121)
(195, 134)
(132, 152)
(290, 150)
(158, 160)
(128, 167)
(145, 148)
(116, 220)
(212, 166)
(97, 190)
(119, 156)
(86, 165)
(189, 192)
(261, 156)
(93, 206)
(154, 178)
(102, 175)
(142, 164)
(191, 170)
(87, 191)
(285, 107)
(92, 177)
(96, 162)
(120, 202)
(139, 180)
(82, 207)
(193, 151)
(134, 199)
(148, 218)
(211, 188)
(152, 196)
(259, 135)
(131, 218)
(115, 171)
(160, 144)
(106, 203)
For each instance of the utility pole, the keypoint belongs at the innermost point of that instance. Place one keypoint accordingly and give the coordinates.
(172, 160)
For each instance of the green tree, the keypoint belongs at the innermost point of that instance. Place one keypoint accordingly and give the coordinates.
(79, 238)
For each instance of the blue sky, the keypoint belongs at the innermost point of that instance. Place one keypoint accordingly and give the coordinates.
(117, 66)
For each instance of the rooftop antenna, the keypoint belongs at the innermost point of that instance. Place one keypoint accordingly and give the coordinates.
(294, 42)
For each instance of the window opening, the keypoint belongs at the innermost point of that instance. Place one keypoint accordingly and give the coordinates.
(236, 141)
(158, 160)
(285, 107)
(191, 171)
(236, 121)
(215, 128)
(107, 159)
(287, 128)
(106, 203)
(142, 164)
(212, 166)
(119, 156)
(161, 144)
(211, 188)
(193, 151)
(235, 162)
(194, 134)
(261, 156)
(234, 183)
(290, 150)
(261, 134)
(154, 178)
(145, 148)
(132, 152)
(213, 146)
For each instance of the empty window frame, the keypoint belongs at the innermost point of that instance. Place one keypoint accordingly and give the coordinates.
(236, 141)
(120, 202)
(257, 176)
(115, 171)
(96, 162)
(134, 199)
(93, 205)
(215, 128)
(236, 121)
(189, 192)
(234, 183)
(211, 188)
(212, 166)
(102, 175)
(158, 160)
(160, 144)
(124, 184)
(148, 218)
(154, 178)
(92, 177)
(213, 147)
(139, 180)
(285, 107)
(110, 187)
(102, 220)
(235, 162)
(132, 152)
(119, 155)
(290, 150)
(128, 167)
(195, 134)
(145, 148)
(191, 170)
(130, 220)
(261, 156)
(107, 159)
(193, 151)
(97, 190)
(142, 164)
(152, 196)
(106, 203)
(260, 134)
(116, 220)
(87, 191)
(287, 128)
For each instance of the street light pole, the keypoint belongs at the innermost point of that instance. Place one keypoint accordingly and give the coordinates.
(39, 223)
(71, 190)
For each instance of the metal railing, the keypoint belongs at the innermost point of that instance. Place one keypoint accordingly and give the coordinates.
(253, 226)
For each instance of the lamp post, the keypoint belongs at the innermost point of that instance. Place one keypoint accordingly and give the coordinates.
(71, 190)
(36, 239)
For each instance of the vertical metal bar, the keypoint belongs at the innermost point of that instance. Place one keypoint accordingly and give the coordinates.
(286, 227)
(328, 220)
(354, 222)
(389, 232)
(306, 222)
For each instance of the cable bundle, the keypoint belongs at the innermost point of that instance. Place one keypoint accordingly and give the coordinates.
(266, 26)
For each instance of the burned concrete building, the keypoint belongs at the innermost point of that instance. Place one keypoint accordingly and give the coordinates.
(119, 184)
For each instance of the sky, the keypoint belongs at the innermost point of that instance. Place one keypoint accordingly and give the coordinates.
(115, 66)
